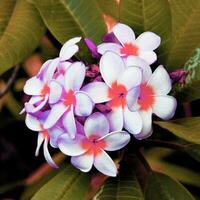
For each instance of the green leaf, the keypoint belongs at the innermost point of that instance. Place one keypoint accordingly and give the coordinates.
(71, 18)
(187, 128)
(185, 31)
(162, 187)
(20, 30)
(194, 152)
(149, 15)
(191, 89)
(68, 184)
(123, 187)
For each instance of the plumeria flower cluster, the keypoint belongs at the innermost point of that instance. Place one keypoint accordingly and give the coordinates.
(84, 116)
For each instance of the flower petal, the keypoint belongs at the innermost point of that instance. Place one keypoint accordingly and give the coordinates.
(102, 48)
(47, 154)
(124, 33)
(33, 86)
(164, 106)
(55, 114)
(131, 98)
(69, 122)
(111, 67)
(146, 125)
(105, 164)
(48, 74)
(83, 162)
(115, 118)
(84, 104)
(71, 147)
(74, 76)
(160, 81)
(132, 121)
(131, 77)
(40, 139)
(55, 92)
(148, 41)
(148, 56)
(135, 61)
(55, 132)
(96, 124)
(43, 69)
(98, 91)
(33, 123)
(116, 140)
(69, 49)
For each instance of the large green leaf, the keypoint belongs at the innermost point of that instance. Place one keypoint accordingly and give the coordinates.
(162, 187)
(69, 18)
(68, 184)
(194, 151)
(191, 89)
(149, 15)
(187, 128)
(20, 30)
(185, 31)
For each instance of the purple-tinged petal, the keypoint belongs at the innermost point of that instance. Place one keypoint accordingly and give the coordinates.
(40, 140)
(98, 91)
(74, 76)
(132, 97)
(80, 128)
(55, 114)
(54, 133)
(33, 123)
(105, 164)
(132, 121)
(69, 122)
(84, 104)
(148, 56)
(83, 162)
(49, 73)
(71, 147)
(116, 140)
(111, 67)
(96, 125)
(43, 69)
(102, 48)
(55, 92)
(92, 47)
(109, 37)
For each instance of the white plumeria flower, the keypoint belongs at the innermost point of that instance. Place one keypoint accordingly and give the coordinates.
(142, 47)
(119, 88)
(72, 100)
(45, 135)
(88, 149)
(153, 96)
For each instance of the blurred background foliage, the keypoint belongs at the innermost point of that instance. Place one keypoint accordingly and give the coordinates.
(165, 166)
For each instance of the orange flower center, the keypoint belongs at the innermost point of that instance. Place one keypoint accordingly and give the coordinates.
(93, 146)
(118, 95)
(69, 98)
(129, 49)
(45, 90)
(146, 98)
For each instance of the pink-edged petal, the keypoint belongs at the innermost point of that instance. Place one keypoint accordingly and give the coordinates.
(146, 125)
(124, 33)
(69, 48)
(135, 61)
(55, 92)
(116, 140)
(115, 118)
(33, 123)
(132, 121)
(148, 56)
(83, 162)
(160, 81)
(131, 98)
(74, 76)
(102, 48)
(98, 91)
(84, 104)
(71, 147)
(111, 67)
(40, 140)
(54, 134)
(30, 108)
(33, 86)
(55, 114)
(131, 77)
(148, 41)
(69, 122)
(96, 124)
(164, 106)
(47, 154)
(105, 164)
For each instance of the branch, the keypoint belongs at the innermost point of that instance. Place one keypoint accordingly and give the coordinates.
(10, 81)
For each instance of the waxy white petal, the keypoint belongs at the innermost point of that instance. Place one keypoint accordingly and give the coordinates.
(102, 48)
